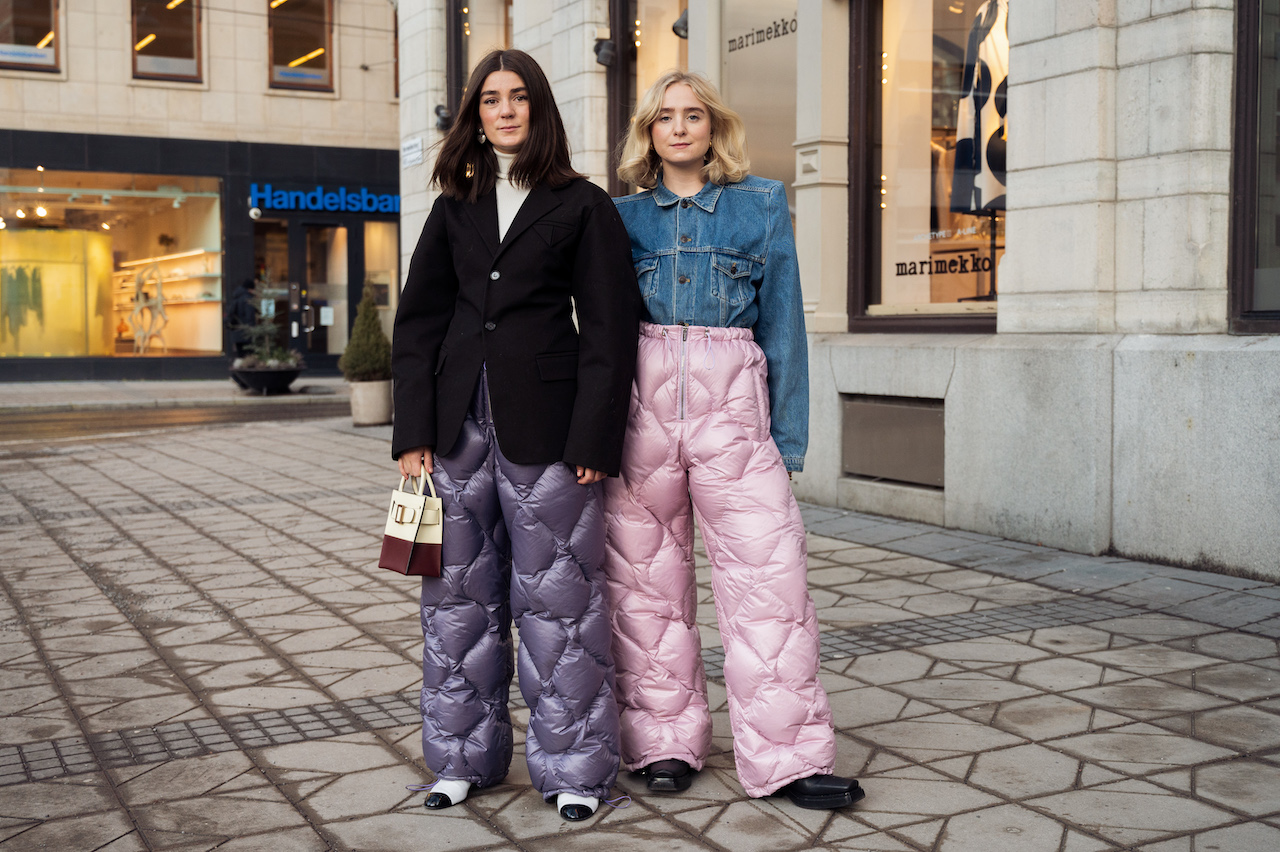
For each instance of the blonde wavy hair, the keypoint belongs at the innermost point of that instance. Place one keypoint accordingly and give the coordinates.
(727, 161)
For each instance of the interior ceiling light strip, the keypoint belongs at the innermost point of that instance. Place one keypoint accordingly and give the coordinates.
(44, 42)
(145, 41)
(310, 56)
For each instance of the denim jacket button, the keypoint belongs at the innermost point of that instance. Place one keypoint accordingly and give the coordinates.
(685, 238)
(684, 279)
(685, 203)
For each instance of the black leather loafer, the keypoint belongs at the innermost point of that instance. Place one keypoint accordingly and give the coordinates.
(438, 802)
(822, 792)
(669, 776)
(576, 813)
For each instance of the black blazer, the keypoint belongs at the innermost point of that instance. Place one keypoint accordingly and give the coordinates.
(557, 393)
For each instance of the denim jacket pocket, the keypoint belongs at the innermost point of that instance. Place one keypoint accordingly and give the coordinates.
(731, 279)
(647, 276)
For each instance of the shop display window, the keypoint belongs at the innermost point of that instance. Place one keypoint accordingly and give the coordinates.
(758, 79)
(301, 37)
(29, 37)
(486, 26)
(166, 39)
(108, 264)
(937, 204)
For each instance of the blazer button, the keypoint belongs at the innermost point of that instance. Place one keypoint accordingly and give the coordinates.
(495, 275)
(490, 326)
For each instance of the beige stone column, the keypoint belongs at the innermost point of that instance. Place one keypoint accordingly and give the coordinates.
(822, 162)
(422, 89)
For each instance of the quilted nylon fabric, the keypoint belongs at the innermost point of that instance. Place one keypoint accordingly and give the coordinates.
(698, 444)
(523, 542)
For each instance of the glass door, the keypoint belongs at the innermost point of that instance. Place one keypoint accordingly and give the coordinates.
(325, 301)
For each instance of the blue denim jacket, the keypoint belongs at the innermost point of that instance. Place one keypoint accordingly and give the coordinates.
(726, 258)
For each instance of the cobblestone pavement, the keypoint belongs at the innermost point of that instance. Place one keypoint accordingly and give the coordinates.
(197, 652)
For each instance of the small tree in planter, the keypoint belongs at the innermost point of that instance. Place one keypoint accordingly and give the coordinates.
(267, 367)
(366, 364)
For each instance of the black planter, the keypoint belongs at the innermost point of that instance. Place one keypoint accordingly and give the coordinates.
(266, 382)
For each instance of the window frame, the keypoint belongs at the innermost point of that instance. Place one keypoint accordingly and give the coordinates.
(1243, 250)
(55, 8)
(331, 66)
(197, 35)
(866, 23)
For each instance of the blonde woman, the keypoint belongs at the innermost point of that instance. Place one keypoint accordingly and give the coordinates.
(719, 419)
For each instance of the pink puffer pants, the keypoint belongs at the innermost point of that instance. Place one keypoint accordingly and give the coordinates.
(698, 438)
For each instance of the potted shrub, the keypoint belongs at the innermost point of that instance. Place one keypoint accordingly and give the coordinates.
(267, 367)
(366, 364)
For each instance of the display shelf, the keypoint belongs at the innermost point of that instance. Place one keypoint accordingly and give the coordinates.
(145, 288)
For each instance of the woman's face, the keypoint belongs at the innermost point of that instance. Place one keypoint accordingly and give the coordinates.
(681, 133)
(504, 111)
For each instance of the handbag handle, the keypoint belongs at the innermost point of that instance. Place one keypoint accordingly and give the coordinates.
(416, 488)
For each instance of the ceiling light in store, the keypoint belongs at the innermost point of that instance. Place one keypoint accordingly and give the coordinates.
(44, 42)
(21, 214)
(310, 56)
(39, 168)
(275, 3)
(145, 41)
(173, 4)
(41, 212)
(106, 226)
(2, 225)
(956, 9)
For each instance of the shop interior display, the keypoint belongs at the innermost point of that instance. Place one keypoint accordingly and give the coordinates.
(98, 263)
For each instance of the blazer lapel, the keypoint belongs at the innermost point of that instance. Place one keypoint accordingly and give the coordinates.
(484, 216)
(540, 201)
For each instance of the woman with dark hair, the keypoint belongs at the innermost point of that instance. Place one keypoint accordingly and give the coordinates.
(719, 419)
(518, 415)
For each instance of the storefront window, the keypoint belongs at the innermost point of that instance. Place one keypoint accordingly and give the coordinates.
(166, 38)
(758, 79)
(301, 44)
(938, 188)
(1265, 294)
(96, 263)
(486, 26)
(29, 35)
(658, 46)
(382, 268)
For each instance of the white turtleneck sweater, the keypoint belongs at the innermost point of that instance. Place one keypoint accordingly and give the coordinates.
(510, 196)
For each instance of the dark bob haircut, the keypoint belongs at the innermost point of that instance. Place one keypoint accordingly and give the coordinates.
(467, 169)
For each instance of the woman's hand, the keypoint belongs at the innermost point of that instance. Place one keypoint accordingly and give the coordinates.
(413, 462)
(587, 476)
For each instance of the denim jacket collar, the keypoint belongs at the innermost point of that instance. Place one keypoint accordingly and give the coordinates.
(706, 197)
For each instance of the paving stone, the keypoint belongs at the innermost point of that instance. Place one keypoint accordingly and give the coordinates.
(1130, 813)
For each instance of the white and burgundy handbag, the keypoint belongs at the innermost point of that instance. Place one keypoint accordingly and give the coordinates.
(415, 523)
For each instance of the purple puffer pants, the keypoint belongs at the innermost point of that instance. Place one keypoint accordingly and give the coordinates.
(525, 541)
(698, 438)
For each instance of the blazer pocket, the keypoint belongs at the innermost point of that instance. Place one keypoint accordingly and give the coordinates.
(558, 366)
(553, 233)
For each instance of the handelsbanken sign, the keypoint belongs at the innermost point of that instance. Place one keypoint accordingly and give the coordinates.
(359, 200)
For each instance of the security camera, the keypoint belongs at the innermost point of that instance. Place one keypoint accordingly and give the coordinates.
(255, 213)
